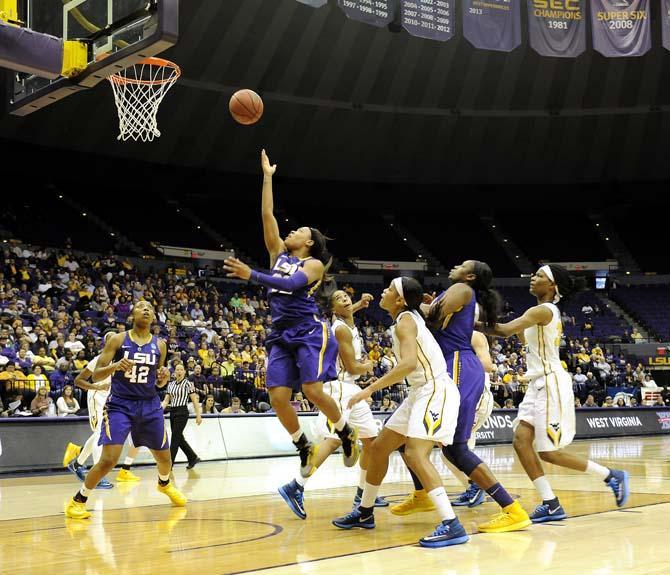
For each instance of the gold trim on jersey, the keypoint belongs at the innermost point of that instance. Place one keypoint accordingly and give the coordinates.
(428, 423)
(105, 420)
(421, 356)
(542, 348)
(554, 434)
(447, 319)
(93, 417)
(456, 368)
(324, 344)
(315, 287)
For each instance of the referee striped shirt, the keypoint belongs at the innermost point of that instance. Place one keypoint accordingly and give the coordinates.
(179, 392)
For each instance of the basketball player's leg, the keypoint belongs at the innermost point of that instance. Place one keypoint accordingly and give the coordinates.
(124, 474)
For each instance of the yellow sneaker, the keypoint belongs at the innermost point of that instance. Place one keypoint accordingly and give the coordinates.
(176, 496)
(416, 502)
(72, 451)
(512, 518)
(76, 510)
(127, 475)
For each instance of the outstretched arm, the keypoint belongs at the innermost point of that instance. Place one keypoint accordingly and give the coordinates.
(311, 272)
(273, 241)
(538, 315)
(363, 303)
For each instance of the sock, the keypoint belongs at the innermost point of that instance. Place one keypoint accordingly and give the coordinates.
(296, 436)
(415, 479)
(87, 449)
(500, 495)
(128, 461)
(598, 470)
(340, 423)
(439, 498)
(79, 498)
(163, 479)
(300, 480)
(544, 489)
(369, 495)
(366, 511)
(361, 479)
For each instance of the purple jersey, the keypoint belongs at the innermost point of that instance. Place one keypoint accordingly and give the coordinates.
(292, 307)
(140, 381)
(455, 333)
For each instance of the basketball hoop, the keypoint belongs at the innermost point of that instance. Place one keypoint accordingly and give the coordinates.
(138, 92)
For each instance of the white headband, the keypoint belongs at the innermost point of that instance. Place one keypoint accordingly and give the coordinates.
(547, 271)
(397, 282)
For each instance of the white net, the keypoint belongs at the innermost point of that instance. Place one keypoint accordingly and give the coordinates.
(138, 92)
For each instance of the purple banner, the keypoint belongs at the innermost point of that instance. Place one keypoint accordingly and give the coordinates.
(557, 27)
(314, 3)
(375, 12)
(665, 22)
(492, 24)
(432, 19)
(621, 27)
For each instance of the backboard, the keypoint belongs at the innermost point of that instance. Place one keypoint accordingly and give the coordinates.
(119, 33)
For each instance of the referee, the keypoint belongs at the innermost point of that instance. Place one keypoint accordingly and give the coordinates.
(178, 393)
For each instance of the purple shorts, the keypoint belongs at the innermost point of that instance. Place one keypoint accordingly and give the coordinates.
(467, 372)
(303, 353)
(141, 417)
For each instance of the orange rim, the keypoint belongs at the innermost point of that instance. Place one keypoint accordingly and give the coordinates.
(157, 62)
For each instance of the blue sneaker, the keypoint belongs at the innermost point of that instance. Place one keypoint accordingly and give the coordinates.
(379, 501)
(294, 495)
(354, 520)
(545, 512)
(472, 496)
(618, 483)
(78, 470)
(104, 484)
(446, 533)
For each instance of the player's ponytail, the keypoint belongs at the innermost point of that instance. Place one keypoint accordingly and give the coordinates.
(328, 284)
(567, 284)
(487, 298)
(412, 292)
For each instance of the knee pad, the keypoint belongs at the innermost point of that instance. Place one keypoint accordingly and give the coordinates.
(460, 455)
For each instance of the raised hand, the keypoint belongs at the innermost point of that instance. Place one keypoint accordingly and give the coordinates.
(237, 269)
(268, 169)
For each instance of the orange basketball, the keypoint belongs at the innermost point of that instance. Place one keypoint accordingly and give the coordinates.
(246, 107)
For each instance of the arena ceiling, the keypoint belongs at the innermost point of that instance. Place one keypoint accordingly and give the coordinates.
(346, 101)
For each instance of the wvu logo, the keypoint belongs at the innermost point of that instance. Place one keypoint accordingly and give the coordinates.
(555, 426)
(434, 415)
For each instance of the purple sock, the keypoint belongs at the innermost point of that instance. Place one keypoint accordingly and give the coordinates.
(500, 495)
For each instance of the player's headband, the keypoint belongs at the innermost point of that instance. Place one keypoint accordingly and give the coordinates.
(397, 282)
(547, 271)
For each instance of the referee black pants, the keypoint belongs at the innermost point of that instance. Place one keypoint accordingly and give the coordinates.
(178, 421)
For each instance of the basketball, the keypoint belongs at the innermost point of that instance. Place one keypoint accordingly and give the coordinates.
(246, 107)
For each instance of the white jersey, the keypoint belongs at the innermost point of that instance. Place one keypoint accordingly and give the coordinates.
(431, 365)
(104, 394)
(357, 343)
(543, 344)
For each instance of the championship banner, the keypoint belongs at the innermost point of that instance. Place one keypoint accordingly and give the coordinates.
(314, 3)
(557, 27)
(621, 27)
(432, 19)
(665, 22)
(492, 24)
(375, 12)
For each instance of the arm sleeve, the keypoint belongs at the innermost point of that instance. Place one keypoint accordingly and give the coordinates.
(291, 283)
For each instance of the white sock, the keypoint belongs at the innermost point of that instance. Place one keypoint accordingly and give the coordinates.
(164, 477)
(87, 449)
(543, 487)
(369, 495)
(439, 498)
(598, 470)
(340, 423)
(128, 460)
(361, 479)
(297, 435)
(85, 491)
(300, 480)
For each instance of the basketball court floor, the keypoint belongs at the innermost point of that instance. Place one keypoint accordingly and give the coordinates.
(235, 522)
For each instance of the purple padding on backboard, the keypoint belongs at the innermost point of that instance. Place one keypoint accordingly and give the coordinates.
(557, 29)
(27, 51)
(621, 28)
(492, 24)
(432, 19)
